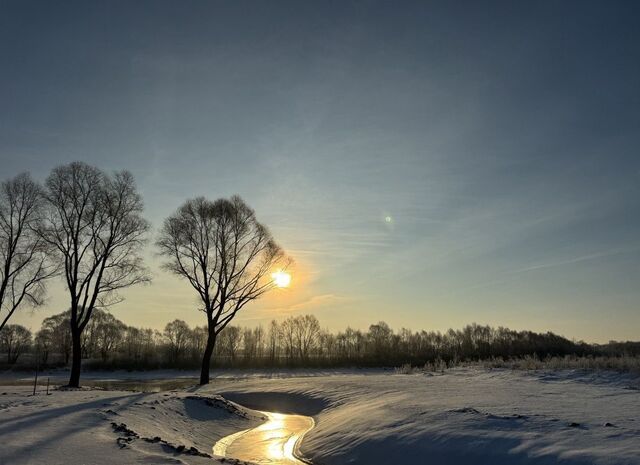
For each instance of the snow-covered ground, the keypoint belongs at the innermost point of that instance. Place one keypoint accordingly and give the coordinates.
(95, 427)
(464, 416)
(366, 417)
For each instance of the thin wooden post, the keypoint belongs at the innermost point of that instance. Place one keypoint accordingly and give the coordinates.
(47, 386)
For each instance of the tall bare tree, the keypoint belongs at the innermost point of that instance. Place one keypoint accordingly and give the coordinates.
(25, 259)
(95, 223)
(226, 255)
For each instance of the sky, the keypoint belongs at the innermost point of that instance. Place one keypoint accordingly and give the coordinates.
(429, 164)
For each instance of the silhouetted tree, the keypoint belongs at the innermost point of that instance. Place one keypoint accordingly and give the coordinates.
(56, 328)
(139, 345)
(198, 341)
(25, 262)
(380, 338)
(300, 333)
(108, 333)
(178, 335)
(273, 342)
(252, 340)
(95, 223)
(14, 340)
(226, 255)
(229, 342)
(43, 342)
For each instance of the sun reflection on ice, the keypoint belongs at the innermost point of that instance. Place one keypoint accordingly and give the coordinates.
(274, 442)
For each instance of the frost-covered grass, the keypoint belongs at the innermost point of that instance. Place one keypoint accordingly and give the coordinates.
(622, 364)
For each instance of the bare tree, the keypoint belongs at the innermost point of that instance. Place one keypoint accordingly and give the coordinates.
(139, 344)
(287, 336)
(14, 340)
(25, 262)
(307, 332)
(229, 342)
(43, 344)
(198, 341)
(252, 343)
(274, 341)
(300, 334)
(225, 254)
(109, 334)
(57, 328)
(95, 223)
(177, 334)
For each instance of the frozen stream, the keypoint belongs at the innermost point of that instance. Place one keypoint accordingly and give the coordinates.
(275, 442)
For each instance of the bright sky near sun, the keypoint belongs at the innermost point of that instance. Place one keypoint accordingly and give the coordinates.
(429, 164)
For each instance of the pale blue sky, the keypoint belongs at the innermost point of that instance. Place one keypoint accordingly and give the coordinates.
(501, 138)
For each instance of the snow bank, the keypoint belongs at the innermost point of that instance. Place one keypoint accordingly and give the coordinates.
(462, 417)
(106, 427)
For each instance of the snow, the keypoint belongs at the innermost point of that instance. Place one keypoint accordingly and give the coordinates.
(96, 427)
(361, 417)
(464, 416)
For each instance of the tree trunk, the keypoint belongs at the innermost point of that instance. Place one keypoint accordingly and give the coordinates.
(206, 358)
(76, 359)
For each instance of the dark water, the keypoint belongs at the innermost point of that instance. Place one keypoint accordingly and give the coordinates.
(146, 385)
(139, 385)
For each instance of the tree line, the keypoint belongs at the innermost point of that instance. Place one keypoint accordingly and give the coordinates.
(298, 341)
(87, 227)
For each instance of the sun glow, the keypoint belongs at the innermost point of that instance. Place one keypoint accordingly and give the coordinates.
(281, 279)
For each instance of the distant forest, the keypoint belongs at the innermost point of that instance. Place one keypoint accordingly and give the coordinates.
(298, 341)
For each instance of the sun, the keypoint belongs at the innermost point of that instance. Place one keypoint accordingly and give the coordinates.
(281, 279)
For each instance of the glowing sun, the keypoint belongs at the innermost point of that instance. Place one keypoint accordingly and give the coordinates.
(281, 279)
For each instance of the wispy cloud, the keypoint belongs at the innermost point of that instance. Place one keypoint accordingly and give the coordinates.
(508, 276)
(570, 261)
(313, 303)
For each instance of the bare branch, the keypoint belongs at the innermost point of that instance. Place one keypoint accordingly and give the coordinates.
(25, 259)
